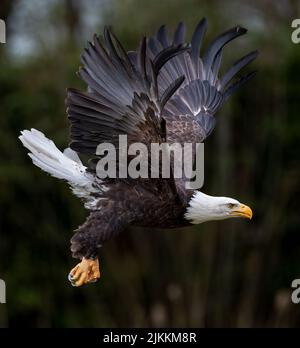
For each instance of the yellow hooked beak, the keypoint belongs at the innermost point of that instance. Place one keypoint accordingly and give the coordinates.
(242, 211)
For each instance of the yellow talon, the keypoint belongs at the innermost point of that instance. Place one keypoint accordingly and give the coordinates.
(87, 271)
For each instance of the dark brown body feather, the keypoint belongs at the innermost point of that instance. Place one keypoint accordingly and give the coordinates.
(129, 202)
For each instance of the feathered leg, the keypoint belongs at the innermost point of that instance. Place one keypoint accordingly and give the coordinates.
(99, 227)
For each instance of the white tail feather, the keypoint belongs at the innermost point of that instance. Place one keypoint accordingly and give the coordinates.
(67, 165)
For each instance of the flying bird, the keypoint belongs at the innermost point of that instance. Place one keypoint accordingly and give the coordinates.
(165, 91)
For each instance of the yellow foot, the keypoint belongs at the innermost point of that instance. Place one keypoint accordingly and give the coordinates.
(87, 271)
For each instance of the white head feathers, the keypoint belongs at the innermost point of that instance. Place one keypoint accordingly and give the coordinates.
(203, 208)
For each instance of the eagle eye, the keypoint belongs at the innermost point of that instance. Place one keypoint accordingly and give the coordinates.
(231, 205)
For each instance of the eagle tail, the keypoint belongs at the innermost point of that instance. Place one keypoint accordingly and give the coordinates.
(62, 165)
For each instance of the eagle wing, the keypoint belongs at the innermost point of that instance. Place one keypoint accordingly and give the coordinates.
(189, 113)
(122, 97)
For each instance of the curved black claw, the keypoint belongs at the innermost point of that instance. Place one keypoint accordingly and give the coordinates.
(71, 279)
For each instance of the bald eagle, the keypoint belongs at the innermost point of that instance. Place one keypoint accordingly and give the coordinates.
(165, 91)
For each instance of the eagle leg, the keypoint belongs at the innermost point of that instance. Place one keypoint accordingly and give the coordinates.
(87, 271)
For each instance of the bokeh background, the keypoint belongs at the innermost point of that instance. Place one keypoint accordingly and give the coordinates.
(220, 274)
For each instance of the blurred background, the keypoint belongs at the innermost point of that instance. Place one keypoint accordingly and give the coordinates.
(220, 274)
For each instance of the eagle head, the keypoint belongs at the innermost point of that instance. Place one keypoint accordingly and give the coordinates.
(203, 208)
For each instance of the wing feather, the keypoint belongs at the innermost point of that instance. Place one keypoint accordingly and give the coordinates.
(203, 92)
(189, 112)
(121, 90)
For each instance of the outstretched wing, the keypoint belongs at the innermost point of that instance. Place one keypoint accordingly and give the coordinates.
(122, 97)
(189, 113)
